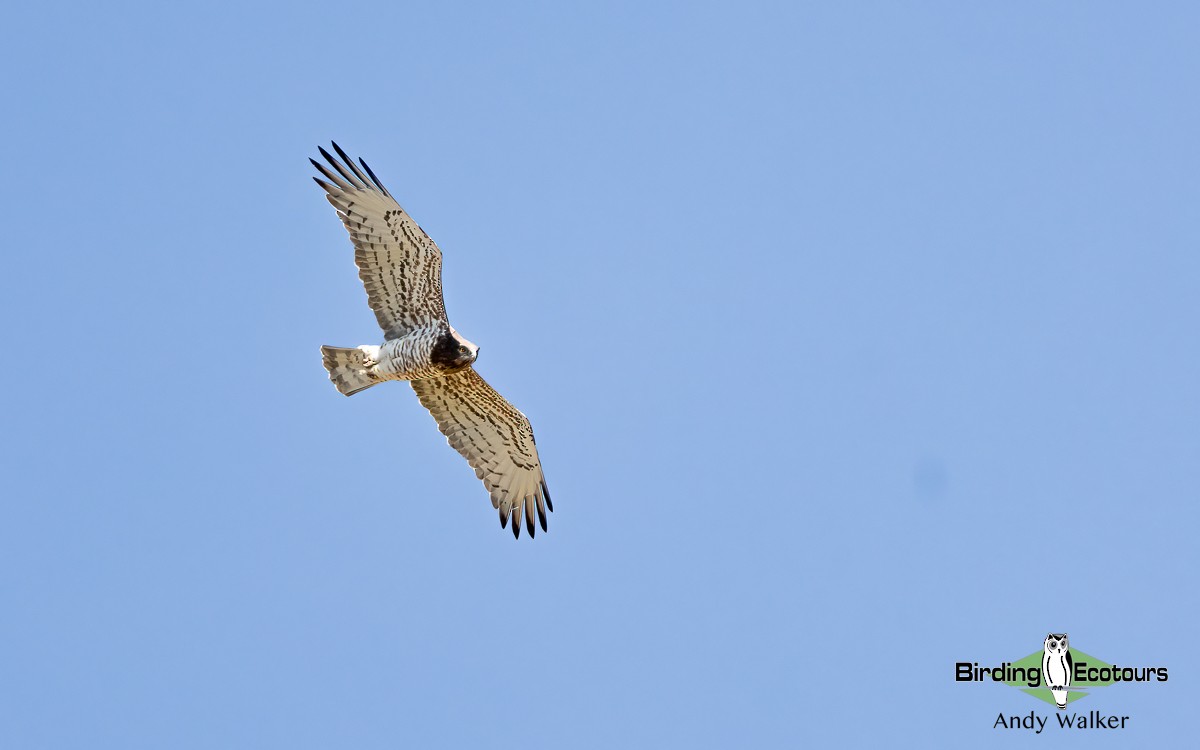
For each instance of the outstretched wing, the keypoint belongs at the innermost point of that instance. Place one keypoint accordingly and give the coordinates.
(495, 438)
(399, 264)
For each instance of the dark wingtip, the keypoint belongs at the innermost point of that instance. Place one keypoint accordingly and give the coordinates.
(516, 529)
(341, 153)
(503, 519)
(546, 494)
(542, 520)
(374, 179)
(353, 168)
(347, 171)
(529, 525)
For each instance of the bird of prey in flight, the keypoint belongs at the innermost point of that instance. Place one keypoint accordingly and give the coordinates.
(401, 268)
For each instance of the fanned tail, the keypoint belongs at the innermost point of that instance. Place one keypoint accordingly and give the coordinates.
(348, 369)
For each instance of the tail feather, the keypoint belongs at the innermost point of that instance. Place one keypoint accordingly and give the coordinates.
(348, 369)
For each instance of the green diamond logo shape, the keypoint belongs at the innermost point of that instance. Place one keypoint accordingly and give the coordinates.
(1078, 688)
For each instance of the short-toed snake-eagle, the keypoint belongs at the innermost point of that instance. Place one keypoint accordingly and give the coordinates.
(401, 268)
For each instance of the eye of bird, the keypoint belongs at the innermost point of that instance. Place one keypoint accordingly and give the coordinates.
(462, 350)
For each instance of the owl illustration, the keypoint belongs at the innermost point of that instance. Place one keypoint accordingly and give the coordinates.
(1057, 667)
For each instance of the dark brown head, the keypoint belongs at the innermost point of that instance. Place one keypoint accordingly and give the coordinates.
(451, 352)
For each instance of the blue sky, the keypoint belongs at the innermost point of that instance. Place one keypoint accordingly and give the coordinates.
(859, 339)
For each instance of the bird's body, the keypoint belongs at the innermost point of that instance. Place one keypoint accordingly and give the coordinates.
(432, 351)
(401, 268)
